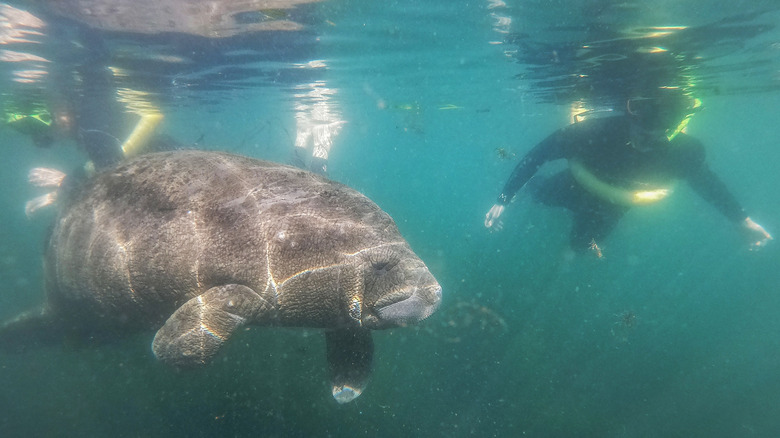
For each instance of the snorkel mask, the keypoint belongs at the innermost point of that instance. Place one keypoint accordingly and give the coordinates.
(667, 113)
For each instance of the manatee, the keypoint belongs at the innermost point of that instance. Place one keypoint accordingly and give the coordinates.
(195, 244)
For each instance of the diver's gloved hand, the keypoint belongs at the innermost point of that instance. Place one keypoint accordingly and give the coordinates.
(491, 218)
(756, 233)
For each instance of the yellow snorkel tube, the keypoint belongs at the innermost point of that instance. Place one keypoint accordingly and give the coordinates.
(672, 133)
(139, 103)
(138, 139)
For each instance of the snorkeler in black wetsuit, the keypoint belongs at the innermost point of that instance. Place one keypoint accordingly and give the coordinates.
(618, 162)
(83, 103)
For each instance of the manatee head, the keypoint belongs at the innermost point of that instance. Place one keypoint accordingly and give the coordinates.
(398, 289)
(338, 260)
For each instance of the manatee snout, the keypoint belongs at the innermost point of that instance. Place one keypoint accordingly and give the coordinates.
(411, 304)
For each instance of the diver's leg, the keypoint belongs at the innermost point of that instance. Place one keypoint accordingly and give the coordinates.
(592, 224)
(593, 218)
(101, 147)
(98, 114)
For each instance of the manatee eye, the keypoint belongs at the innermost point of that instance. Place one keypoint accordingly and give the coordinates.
(382, 267)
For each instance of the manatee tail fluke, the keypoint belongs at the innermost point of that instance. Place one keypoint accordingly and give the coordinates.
(28, 329)
(43, 177)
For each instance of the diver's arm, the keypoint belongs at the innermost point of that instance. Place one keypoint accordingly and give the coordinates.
(549, 149)
(707, 184)
(527, 167)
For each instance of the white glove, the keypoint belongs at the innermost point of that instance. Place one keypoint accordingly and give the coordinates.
(756, 233)
(491, 218)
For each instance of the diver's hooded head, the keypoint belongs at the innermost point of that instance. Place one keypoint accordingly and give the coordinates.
(655, 115)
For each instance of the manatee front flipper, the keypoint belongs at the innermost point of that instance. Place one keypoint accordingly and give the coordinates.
(195, 331)
(350, 354)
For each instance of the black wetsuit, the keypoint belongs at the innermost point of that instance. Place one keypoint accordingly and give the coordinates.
(99, 116)
(603, 147)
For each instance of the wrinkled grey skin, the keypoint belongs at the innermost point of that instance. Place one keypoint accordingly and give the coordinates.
(195, 244)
